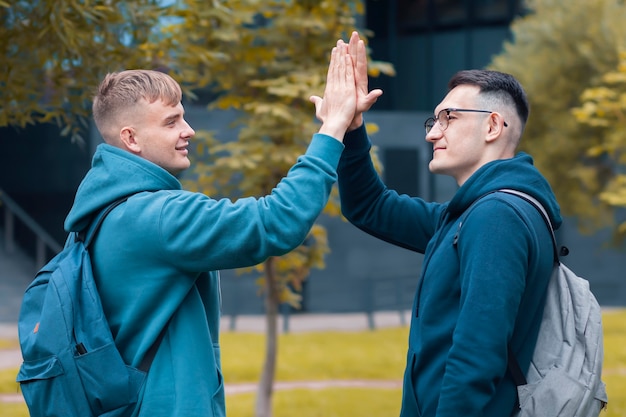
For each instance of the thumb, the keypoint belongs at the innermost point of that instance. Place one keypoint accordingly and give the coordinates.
(318, 106)
(374, 94)
(315, 100)
(318, 103)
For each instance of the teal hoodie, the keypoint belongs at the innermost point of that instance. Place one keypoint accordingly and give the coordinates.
(482, 285)
(157, 255)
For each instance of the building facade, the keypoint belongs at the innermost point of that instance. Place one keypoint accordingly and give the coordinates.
(427, 41)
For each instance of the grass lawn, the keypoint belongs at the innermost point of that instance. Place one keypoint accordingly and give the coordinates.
(370, 355)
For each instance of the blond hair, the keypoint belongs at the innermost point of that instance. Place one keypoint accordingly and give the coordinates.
(120, 91)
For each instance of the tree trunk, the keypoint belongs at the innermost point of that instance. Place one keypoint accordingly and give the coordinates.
(266, 384)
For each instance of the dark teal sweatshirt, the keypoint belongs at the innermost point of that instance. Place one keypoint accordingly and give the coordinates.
(482, 285)
(157, 255)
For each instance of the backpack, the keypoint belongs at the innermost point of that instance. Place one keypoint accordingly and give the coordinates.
(71, 364)
(564, 376)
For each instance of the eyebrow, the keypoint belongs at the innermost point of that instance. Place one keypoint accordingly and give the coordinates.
(172, 117)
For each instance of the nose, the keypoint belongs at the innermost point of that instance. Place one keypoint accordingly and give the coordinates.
(434, 134)
(188, 132)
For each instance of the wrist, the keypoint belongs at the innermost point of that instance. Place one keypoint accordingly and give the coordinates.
(356, 122)
(335, 130)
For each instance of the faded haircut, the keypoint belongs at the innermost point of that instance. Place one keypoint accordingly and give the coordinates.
(119, 91)
(496, 87)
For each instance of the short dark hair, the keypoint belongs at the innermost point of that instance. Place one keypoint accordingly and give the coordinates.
(496, 83)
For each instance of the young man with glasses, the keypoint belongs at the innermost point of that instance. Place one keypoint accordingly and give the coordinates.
(482, 286)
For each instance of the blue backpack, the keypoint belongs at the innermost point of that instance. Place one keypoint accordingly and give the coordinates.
(71, 364)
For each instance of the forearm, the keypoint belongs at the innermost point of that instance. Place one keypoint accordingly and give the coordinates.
(359, 183)
(368, 204)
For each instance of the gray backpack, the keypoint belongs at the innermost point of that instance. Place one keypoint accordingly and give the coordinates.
(565, 374)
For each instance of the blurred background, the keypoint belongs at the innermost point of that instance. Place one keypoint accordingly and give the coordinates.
(559, 54)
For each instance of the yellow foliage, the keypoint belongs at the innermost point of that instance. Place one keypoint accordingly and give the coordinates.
(54, 53)
(571, 62)
(604, 106)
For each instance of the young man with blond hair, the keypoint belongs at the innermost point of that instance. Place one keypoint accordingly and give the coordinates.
(157, 255)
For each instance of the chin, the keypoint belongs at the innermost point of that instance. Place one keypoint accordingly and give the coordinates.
(177, 171)
(439, 169)
(433, 167)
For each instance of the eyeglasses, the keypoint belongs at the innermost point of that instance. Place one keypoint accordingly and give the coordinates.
(443, 118)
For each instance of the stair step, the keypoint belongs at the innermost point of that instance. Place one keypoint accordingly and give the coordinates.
(17, 270)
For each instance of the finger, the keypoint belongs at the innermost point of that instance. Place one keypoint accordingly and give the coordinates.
(341, 65)
(317, 101)
(353, 45)
(331, 64)
(361, 61)
(360, 67)
(349, 69)
(341, 59)
(374, 94)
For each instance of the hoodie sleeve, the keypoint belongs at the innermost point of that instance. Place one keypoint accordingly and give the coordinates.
(208, 234)
(408, 222)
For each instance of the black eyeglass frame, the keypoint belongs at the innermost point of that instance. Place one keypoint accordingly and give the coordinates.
(430, 122)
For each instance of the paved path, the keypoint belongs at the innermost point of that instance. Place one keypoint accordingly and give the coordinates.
(244, 388)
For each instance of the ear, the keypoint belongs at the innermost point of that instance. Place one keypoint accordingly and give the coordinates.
(496, 126)
(127, 137)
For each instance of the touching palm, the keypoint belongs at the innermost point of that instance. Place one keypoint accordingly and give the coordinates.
(364, 99)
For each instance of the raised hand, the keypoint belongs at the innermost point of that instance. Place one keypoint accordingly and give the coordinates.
(338, 107)
(364, 98)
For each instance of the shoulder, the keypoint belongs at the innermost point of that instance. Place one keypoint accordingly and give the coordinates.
(497, 216)
(499, 203)
(506, 218)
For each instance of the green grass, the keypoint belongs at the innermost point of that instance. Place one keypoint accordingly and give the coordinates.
(13, 410)
(345, 402)
(614, 372)
(7, 381)
(373, 355)
(379, 354)
(8, 344)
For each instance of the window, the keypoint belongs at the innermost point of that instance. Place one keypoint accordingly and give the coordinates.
(401, 170)
(422, 15)
(413, 13)
(450, 12)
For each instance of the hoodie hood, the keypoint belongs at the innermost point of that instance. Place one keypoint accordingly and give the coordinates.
(517, 173)
(114, 173)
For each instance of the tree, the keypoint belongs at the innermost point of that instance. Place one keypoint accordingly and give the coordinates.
(557, 52)
(277, 57)
(604, 108)
(54, 52)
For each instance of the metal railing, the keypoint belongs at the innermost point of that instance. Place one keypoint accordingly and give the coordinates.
(44, 241)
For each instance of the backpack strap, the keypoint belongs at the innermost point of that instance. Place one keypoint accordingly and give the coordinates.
(545, 216)
(516, 371)
(89, 232)
(514, 368)
(87, 236)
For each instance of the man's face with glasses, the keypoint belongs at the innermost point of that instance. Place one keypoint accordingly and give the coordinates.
(443, 118)
(461, 133)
